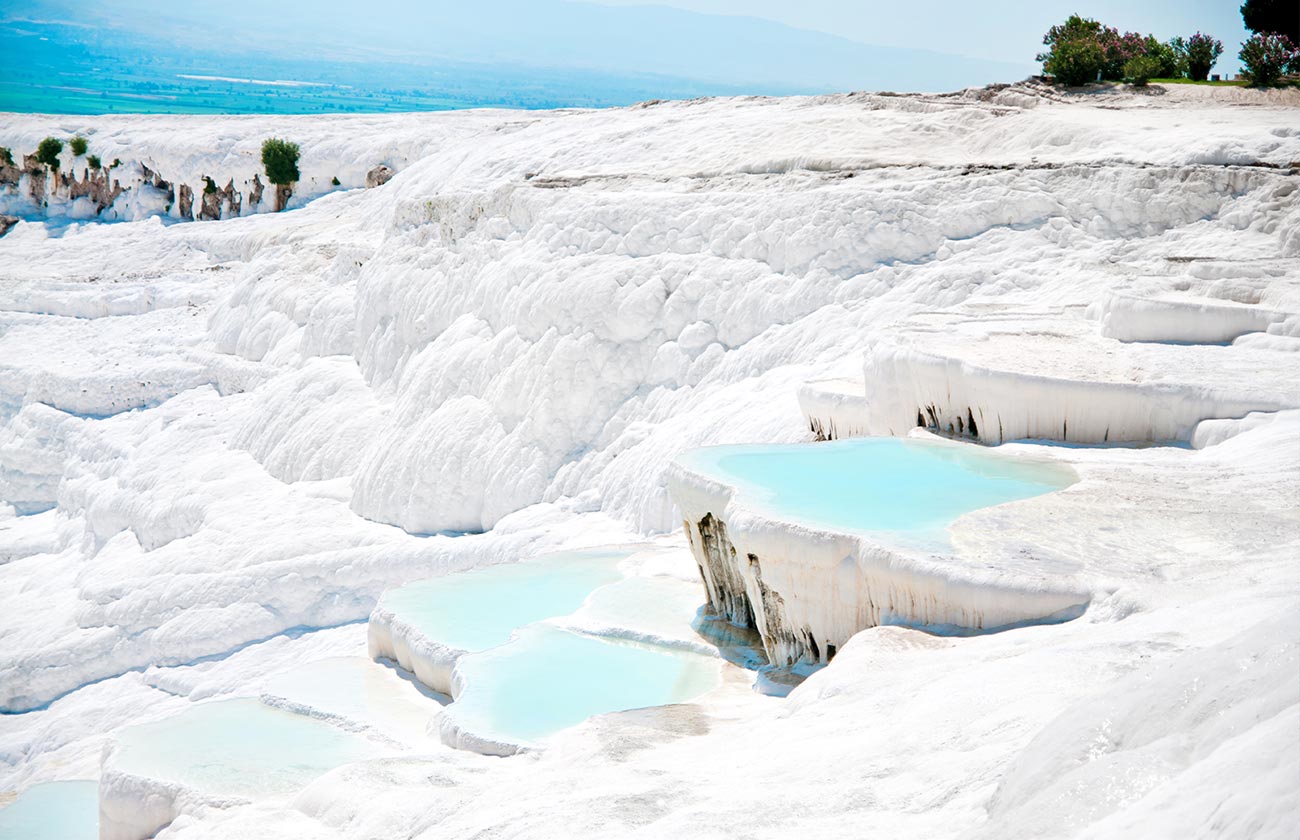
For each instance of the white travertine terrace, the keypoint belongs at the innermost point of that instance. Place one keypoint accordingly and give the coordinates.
(834, 408)
(807, 590)
(1051, 376)
(1180, 319)
(221, 442)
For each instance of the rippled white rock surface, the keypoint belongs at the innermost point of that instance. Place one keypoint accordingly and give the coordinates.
(221, 442)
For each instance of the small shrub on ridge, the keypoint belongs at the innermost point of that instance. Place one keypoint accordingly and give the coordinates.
(1141, 69)
(48, 152)
(280, 158)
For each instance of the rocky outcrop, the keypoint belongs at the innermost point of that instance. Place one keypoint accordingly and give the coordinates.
(159, 183)
(232, 201)
(133, 190)
(94, 185)
(10, 177)
(223, 203)
(255, 194)
(9, 174)
(36, 178)
(211, 207)
(378, 176)
(283, 192)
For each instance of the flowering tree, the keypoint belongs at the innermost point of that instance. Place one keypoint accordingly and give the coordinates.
(1202, 51)
(1119, 50)
(1267, 57)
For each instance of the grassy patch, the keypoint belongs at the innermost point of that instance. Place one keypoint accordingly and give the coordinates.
(1223, 83)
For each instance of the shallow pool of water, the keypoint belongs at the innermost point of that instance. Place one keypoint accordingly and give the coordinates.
(360, 691)
(550, 679)
(653, 609)
(238, 748)
(875, 484)
(53, 811)
(479, 609)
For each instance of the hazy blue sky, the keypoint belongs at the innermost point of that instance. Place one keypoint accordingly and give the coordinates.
(1000, 30)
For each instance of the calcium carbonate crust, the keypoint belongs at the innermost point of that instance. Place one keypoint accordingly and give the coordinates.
(807, 590)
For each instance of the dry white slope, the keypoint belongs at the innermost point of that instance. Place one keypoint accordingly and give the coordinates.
(519, 331)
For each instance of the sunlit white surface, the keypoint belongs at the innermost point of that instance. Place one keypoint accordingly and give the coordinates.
(243, 432)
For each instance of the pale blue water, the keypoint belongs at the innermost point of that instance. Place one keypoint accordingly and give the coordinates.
(903, 487)
(238, 748)
(53, 811)
(479, 609)
(549, 679)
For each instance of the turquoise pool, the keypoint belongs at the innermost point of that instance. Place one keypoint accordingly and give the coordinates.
(875, 484)
(238, 748)
(537, 659)
(53, 811)
(550, 679)
(479, 609)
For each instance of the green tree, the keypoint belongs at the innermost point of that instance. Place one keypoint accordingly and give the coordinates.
(1272, 16)
(6, 156)
(1075, 55)
(1170, 56)
(280, 159)
(95, 162)
(78, 145)
(1141, 69)
(48, 152)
